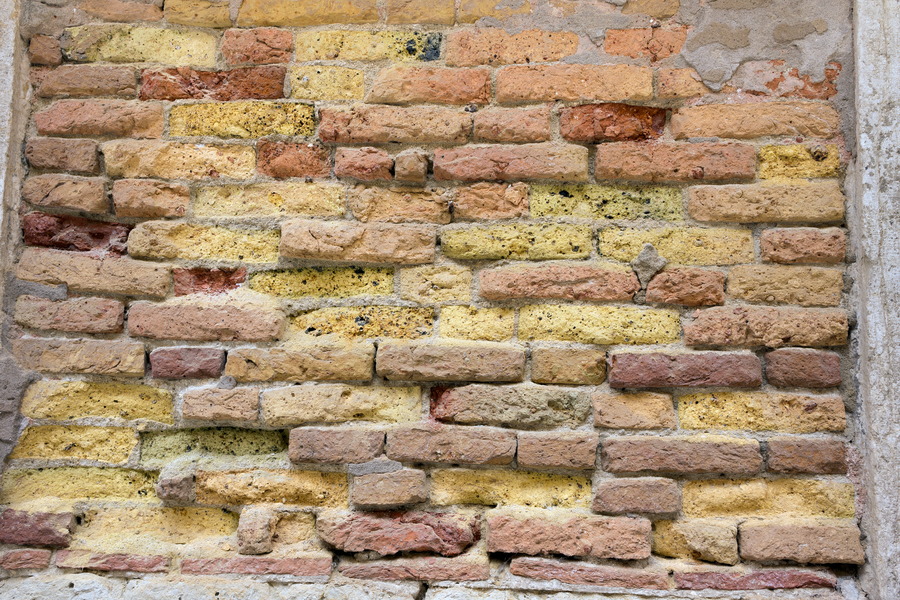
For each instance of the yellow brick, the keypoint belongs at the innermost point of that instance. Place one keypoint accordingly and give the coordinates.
(518, 241)
(712, 540)
(431, 283)
(365, 45)
(293, 528)
(762, 411)
(171, 160)
(270, 199)
(78, 399)
(777, 284)
(159, 448)
(471, 10)
(470, 323)
(319, 82)
(598, 324)
(77, 483)
(336, 282)
(164, 239)
(125, 43)
(799, 161)
(309, 488)
(199, 13)
(464, 486)
(361, 322)
(106, 444)
(337, 403)
(681, 245)
(762, 498)
(242, 119)
(589, 201)
(421, 11)
(303, 13)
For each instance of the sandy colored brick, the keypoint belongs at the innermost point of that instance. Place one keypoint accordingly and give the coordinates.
(337, 403)
(62, 400)
(366, 322)
(568, 366)
(63, 155)
(517, 241)
(171, 160)
(411, 165)
(229, 318)
(636, 410)
(368, 124)
(567, 450)
(150, 199)
(741, 121)
(591, 201)
(365, 164)
(494, 46)
(805, 286)
(121, 10)
(400, 205)
(573, 83)
(160, 448)
(470, 323)
(681, 245)
(134, 44)
(648, 495)
(431, 85)
(77, 483)
(661, 9)
(513, 125)
(165, 239)
(698, 454)
(688, 287)
(327, 361)
(421, 11)
(64, 191)
(241, 119)
(568, 281)
(470, 11)
(390, 45)
(799, 161)
(803, 245)
(457, 361)
(488, 201)
(322, 82)
(547, 160)
(679, 83)
(345, 241)
(710, 540)
(263, 46)
(796, 202)
(493, 487)
(118, 118)
(763, 411)
(270, 199)
(516, 406)
(767, 498)
(198, 13)
(221, 404)
(48, 442)
(96, 357)
(436, 444)
(436, 284)
(656, 162)
(751, 326)
(306, 488)
(816, 541)
(85, 315)
(380, 491)
(601, 325)
(337, 282)
(440, 533)
(286, 13)
(334, 445)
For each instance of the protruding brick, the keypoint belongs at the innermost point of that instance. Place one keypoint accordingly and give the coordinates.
(594, 123)
(759, 119)
(800, 455)
(521, 407)
(813, 202)
(255, 530)
(85, 559)
(44, 50)
(97, 357)
(655, 43)
(762, 411)
(747, 326)
(568, 366)
(549, 160)
(687, 287)
(84, 315)
(263, 46)
(546, 83)
(711, 540)
(258, 486)
(803, 245)
(441, 533)
(561, 281)
(207, 281)
(220, 404)
(367, 164)
(666, 161)
(679, 83)
(431, 443)
(186, 363)
(569, 450)
(474, 361)
(494, 46)
(372, 243)
(488, 201)
(326, 362)
(63, 191)
(411, 165)
(430, 85)
(776, 284)
(763, 579)
(513, 125)
(119, 118)
(196, 321)
(642, 410)
(647, 495)
(682, 455)
(365, 124)
(381, 491)
(793, 367)
(326, 445)
(583, 573)
(171, 160)
(86, 273)
(185, 83)
(706, 369)
(51, 530)
(803, 541)
(63, 155)
(150, 199)
(74, 233)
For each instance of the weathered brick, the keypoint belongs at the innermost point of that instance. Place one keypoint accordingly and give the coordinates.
(446, 534)
(372, 243)
(432, 443)
(568, 450)
(292, 14)
(548, 160)
(136, 44)
(766, 498)
(256, 529)
(118, 118)
(603, 325)
(793, 367)
(273, 198)
(338, 282)
(77, 483)
(207, 281)
(62, 191)
(97, 357)
(421, 11)
(518, 125)
(60, 442)
(710, 540)
(337, 403)
(471, 11)
(814, 202)
(572, 366)
(185, 83)
(679, 83)
(494, 46)
(521, 407)
(472, 361)
(358, 45)
(84, 315)
(593, 123)
(583, 573)
(220, 404)
(186, 363)
(682, 455)
(25, 559)
(748, 326)
(263, 46)
(678, 162)
(574, 83)
(171, 160)
(661, 9)
(799, 161)
(61, 400)
(323, 361)
(470, 323)
(284, 159)
(44, 50)
(803, 541)
(121, 10)
(63, 155)
(800, 455)
(411, 165)
(488, 201)
(234, 320)
(150, 199)
(366, 164)
(321, 82)
(51, 530)
(85, 559)
(311, 566)
(381, 491)
(432, 85)
(249, 119)
(517, 241)
(654, 43)
(703, 369)
(310, 488)
(548, 532)
(802, 119)
(425, 568)
(763, 411)
(366, 322)
(640, 410)
(432, 284)
(592, 201)
(400, 204)
(365, 124)
(198, 13)
(803, 245)
(806, 286)
(680, 245)
(495, 487)
(74, 233)
(768, 579)
(160, 448)
(648, 495)
(573, 281)
(327, 445)
(688, 287)
(166, 239)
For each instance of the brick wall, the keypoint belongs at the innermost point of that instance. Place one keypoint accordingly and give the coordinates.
(428, 292)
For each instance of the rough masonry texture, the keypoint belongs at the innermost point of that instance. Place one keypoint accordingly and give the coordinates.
(443, 299)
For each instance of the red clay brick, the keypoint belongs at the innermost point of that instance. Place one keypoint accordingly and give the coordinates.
(446, 534)
(700, 454)
(551, 450)
(702, 369)
(799, 455)
(676, 162)
(648, 495)
(548, 160)
(688, 287)
(580, 573)
(50, 530)
(803, 245)
(432, 85)
(88, 80)
(207, 281)
(366, 164)
(770, 579)
(63, 155)
(117, 118)
(262, 46)
(432, 443)
(284, 159)
(235, 84)
(85, 559)
(74, 233)
(187, 363)
(795, 367)
(593, 123)
(330, 445)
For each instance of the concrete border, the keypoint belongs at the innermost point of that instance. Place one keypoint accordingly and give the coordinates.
(876, 223)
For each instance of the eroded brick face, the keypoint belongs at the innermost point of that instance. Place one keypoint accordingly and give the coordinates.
(363, 298)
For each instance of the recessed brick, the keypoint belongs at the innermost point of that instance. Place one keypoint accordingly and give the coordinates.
(74, 233)
(186, 363)
(593, 123)
(326, 445)
(646, 495)
(207, 281)
(682, 455)
(799, 455)
(380, 491)
(794, 367)
(707, 369)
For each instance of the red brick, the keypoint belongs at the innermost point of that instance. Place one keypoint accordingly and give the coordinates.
(770, 579)
(803, 245)
(226, 322)
(235, 84)
(514, 125)
(51, 530)
(494, 46)
(579, 573)
(648, 495)
(746, 326)
(330, 445)
(800, 455)
(704, 369)
(561, 281)
(700, 454)
(74, 233)
(450, 362)
(365, 124)
(488, 201)
(351, 241)
(85, 559)
(207, 281)
(83, 315)
(144, 198)
(667, 161)
(262, 46)
(432, 85)
(549, 160)
(44, 50)
(446, 534)
(367, 164)
(811, 541)
(688, 287)
(593, 123)
(246, 565)
(186, 363)
(63, 155)
(25, 559)
(411, 165)
(63, 191)
(543, 532)
(88, 80)
(380, 491)
(551, 450)
(118, 118)
(221, 404)
(433, 443)
(653, 43)
(793, 367)
(284, 159)
(574, 83)
(428, 568)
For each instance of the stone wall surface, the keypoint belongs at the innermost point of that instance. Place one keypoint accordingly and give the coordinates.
(445, 299)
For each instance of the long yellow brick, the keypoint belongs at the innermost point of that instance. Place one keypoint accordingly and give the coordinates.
(681, 245)
(590, 201)
(762, 411)
(776, 284)
(63, 400)
(598, 324)
(164, 239)
(470, 323)
(126, 43)
(517, 241)
(291, 198)
(48, 442)
(795, 202)
(322, 82)
(159, 448)
(75, 483)
(251, 119)
(365, 45)
(171, 160)
(308, 488)
(336, 282)
(799, 161)
(365, 322)
(336, 403)
(762, 498)
(491, 488)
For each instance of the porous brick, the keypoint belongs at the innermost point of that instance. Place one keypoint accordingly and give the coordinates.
(430, 85)
(135, 44)
(235, 84)
(198, 13)
(263, 46)
(741, 121)
(322, 82)
(104, 444)
(545, 83)
(767, 498)
(568, 366)
(429, 284)
(710, 540)
(361, 45)
(529, 241)
(167, 239)
(286, 13)
(799, 161)
(275, 198)
(681, 245)
(83, 315)
(97, 357)
(77, 483)
(63, 191)
(250, 119)
(337, 403)
(421, 11)
(802, 202)
(770, 284)
(470, 11)
(328, 361)
(371, 243)
(431, 443)
(638, 410)
(681, 455)
(496, 487)
(172, 160)
(646, 495)
(337, 282)
(603, 325)
(366, 322)
(62, 400)
(309, 488)
(762, 411)
(472, 361)
(521, 407)
(803, 245)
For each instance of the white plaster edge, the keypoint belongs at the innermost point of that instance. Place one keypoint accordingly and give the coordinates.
(10, 123)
